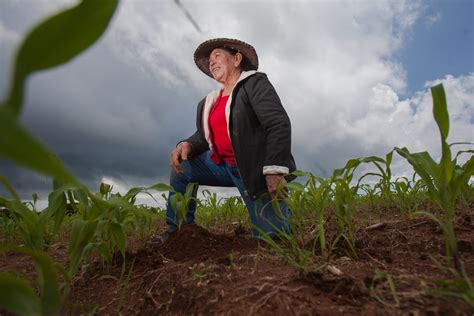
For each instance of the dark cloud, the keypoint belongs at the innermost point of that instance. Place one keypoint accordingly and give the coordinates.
(116, 111)
(103, 117)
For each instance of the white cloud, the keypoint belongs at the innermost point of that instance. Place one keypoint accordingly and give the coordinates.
(333, 63)
(7, 34)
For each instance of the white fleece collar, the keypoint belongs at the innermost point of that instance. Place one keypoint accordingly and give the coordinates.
(211, 99)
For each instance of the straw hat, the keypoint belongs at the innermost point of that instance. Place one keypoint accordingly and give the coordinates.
(201, 55)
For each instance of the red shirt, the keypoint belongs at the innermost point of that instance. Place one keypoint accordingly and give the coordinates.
(221, 145)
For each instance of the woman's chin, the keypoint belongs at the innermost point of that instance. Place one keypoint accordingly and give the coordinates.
(219, 79)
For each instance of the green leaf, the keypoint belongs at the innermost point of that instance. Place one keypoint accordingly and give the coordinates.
(104, 251)
(81, 196)
(56, 41)
(441, 116)
(133, 192)
(118, 236)
(105, 190)
(462, 178)
(352, 163)
(178, 203)
(459, 153)
(191, 189)
(388, 159)
(130, 196)
(300, 173)
(18, 297)
(161, 187)
(295, 186)
(423, 165)
(34, 196)
(57, 202)
(81, 235)
(30, 227)
(440, 110)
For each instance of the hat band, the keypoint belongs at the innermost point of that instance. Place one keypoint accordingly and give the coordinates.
(230, 47)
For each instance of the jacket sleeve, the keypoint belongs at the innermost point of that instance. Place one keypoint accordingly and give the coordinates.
(197, 140)
(198, 143)
(273, 117)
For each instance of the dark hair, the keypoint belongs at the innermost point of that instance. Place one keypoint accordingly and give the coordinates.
(244, 64)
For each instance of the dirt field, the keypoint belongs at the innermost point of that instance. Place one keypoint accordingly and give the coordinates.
(197, 272)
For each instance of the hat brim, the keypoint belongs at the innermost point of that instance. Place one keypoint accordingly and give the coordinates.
(201, 55)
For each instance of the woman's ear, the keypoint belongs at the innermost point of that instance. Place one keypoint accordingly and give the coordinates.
(237, 59)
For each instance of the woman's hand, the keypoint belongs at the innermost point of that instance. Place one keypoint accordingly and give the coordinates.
(180, 153)
(274, 181)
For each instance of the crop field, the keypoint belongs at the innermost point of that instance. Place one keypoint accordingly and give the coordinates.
(379, 254)
(370, 243)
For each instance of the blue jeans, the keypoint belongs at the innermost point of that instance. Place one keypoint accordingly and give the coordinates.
(202, 170)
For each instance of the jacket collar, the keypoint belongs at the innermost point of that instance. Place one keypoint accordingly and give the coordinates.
(211, 99)
(213, 95)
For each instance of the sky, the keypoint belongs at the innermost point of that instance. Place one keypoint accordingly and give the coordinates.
(354, 77)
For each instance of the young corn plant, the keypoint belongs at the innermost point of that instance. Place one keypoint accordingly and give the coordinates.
(408, 193)
(298, 257)
(306, 202)
(33, 225)
(232, 210)
(385, 177)
(369, 194)
(344, 195)
(344, 203)
(181, 203)
(104, 226)
(29, 225)
(296, 203)
(318, 196)
(208, 209)
(444, 180)
(8, 228)
(210, 200)
(467, 191)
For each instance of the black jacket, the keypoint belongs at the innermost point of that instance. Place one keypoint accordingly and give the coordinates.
(260, 132)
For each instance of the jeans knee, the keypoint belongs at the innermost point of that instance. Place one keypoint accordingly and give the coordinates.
(176, 177)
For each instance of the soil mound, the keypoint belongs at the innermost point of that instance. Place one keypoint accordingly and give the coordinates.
(193, 242)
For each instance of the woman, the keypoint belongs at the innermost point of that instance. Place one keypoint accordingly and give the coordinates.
(243, 137)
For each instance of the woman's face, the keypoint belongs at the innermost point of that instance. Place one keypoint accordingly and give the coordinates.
(223, 64)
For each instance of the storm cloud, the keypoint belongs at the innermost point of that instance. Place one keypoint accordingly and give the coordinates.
(116, 111)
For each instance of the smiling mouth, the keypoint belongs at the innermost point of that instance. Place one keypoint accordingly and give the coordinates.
(215, 69)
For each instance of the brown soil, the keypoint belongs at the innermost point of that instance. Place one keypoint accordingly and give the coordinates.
(197, 272)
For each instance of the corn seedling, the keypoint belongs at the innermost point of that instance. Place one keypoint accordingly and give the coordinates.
(181, 203)
(318, 197)
(296, 201)
(408, 193)
(232, 210)
(297, 256)
(344, 203)
(444, 180)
